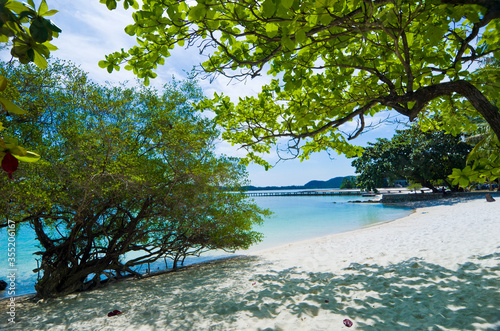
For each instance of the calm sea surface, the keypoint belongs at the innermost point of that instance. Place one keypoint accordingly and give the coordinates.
(295, 218)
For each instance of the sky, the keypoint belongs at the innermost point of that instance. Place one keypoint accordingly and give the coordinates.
(90, 31)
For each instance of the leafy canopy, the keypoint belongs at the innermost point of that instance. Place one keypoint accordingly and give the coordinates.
(125, 170)
(334, 62)
(483, 163)
(426, 158)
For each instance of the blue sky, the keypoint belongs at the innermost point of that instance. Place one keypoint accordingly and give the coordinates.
(90, 31)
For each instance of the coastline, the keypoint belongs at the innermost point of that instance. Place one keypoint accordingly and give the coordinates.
(438, 267)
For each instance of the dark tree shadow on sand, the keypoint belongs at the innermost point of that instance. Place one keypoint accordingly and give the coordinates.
(411, 295)
(414, 294)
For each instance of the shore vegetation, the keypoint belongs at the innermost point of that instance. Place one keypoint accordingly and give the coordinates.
(426, 158)
(127, 175)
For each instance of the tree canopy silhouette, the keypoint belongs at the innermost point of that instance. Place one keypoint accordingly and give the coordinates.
(334, 62)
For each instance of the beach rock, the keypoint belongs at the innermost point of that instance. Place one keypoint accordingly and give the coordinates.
(489, 198)
(3, 285)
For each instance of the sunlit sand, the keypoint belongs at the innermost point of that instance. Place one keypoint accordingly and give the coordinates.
(438, 269)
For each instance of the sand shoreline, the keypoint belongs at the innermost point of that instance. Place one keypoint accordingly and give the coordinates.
(438, 268)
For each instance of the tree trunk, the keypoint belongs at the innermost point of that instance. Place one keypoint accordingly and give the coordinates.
(424, 95)
(426, 183)
(489, 112)
(59, 279)
(66, 270)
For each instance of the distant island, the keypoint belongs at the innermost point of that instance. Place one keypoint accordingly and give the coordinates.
(313, 184)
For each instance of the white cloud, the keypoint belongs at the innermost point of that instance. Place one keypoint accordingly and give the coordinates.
(89, 32)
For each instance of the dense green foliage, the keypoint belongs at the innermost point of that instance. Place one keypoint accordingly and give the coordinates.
(483, 163)
(29, 32)
(335, 62)
(426, 158)
(122, 170)
(348, 182)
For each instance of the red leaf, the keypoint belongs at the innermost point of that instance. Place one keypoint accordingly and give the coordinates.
(9, 164)
(348, 323)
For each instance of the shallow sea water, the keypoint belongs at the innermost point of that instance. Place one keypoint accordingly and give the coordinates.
(299, 218)
(295, 218)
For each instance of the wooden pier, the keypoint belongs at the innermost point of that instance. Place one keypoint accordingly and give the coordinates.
(301, 193)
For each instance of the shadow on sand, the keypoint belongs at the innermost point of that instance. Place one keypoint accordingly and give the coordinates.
(411, 295)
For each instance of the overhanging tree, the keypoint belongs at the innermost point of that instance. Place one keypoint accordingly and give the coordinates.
(28, 32)
(426, 158)
(483, 163)
(124, 171)
(336, 61)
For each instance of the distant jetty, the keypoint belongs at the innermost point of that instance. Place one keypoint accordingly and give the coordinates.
(304, 193)
(335, 192)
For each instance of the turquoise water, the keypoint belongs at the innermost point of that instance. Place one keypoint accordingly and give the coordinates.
(295, 219)
(305, 217)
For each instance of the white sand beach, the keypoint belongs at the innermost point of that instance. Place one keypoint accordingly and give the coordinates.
(437, 269)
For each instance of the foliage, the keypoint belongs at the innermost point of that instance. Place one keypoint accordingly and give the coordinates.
(334, 62)
(8, 144)
(125, 170)
(414, 186)
(483, 163)
(30, 30)
(31, 33)
(423, 158)
(348, 182)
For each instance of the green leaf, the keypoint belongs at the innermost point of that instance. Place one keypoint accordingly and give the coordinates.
(300, 36)
(43, 8)
(111, 4)
(287, 3)
(4, 38)
(288, 43)
(130, 29)
(16, 7)
(31, 3)
(49, 46)
(409, 39)
(268, 8)
(3, 83)
(10, 107)
(325, 19)
(103, 64)
(183, 7)
(50, 25)
(50, 12)
(198, 12)
(38, 30)
(271, 30)
(30, 157)
(464, 182)
(39, 60)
